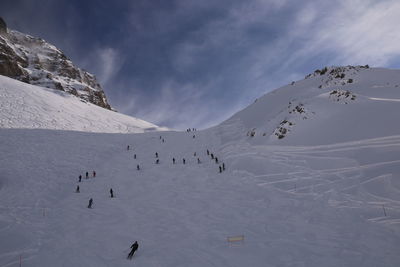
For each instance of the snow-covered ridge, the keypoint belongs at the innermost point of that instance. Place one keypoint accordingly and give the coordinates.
(35, 61)
(335, 104)
(27, 106)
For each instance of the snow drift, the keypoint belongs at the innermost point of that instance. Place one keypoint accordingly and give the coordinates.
(27, 106)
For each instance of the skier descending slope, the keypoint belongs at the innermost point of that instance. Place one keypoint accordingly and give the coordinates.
(90, 203)
(111, 193)
(134, 247)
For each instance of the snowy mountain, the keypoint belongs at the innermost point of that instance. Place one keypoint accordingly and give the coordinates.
(34, 61)
(336, 104)
(311, 179)
(28, 106)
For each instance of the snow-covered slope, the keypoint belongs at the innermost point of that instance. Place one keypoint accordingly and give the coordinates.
(303, 200)
(341, 104)
(27, 106)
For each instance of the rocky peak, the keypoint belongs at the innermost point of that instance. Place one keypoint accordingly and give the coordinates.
(3, 26)
(34, 61)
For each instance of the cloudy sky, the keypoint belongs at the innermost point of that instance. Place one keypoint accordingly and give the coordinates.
(193, 63)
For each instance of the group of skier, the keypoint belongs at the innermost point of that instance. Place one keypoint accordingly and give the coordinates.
(215, 158)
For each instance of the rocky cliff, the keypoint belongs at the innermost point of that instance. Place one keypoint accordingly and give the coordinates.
(34, 61)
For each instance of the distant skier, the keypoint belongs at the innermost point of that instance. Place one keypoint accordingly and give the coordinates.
(208, 152)
(77, 189)
(134, 156)
(80, 178)
(216, 160)
(220, 169)
(138, 167)
(198, 161)
(111, 193)
(160, 137)
(128, 147)
(223, 166)
(194, 154)
(184, 161)
(156, 155)
(134, 247)
(173, 160)
(87, 175)
(194, 136)
(212, 155)
(90, 203)
(157, 161)
(94, 174)
(163, 140)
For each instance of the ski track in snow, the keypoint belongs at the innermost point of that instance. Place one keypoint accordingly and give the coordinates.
(304, 206)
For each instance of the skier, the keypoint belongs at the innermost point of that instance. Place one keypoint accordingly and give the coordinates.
(134, 247)
(220, 169)
(212, 155)
(90, 203)
(157, 161)
(173, 160)
(194, 136)
(163, 140)
(87, 175)
(223, 166)
(216, 160)
(194, 154)
(127, 148)
(156, 155)
(77, 189)
(80, 178)
(184, 161)
(160, 137)
(198, 161)
(134, 156)
(208, 152)
(137, 167)
(111, 193)
(94, 174)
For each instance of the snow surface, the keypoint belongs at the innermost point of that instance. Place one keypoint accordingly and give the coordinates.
(308, 199)
(28, 106)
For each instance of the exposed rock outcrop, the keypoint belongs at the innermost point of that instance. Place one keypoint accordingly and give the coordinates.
(34, 61)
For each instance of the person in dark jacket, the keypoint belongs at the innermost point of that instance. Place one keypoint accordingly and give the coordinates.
(223, 166)
(208, 152)
(80, 178)
(184, 161)
(134, 156)
(156, 155)
(138, 167)
(94, 174)
(216, 160)
(134, 247)
(173, 160)
(198, 161)
(87, 175)
(77, 189)
(220, 169)
(111, 193)
(90, 203)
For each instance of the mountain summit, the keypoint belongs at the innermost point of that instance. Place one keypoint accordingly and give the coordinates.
(33, 60)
